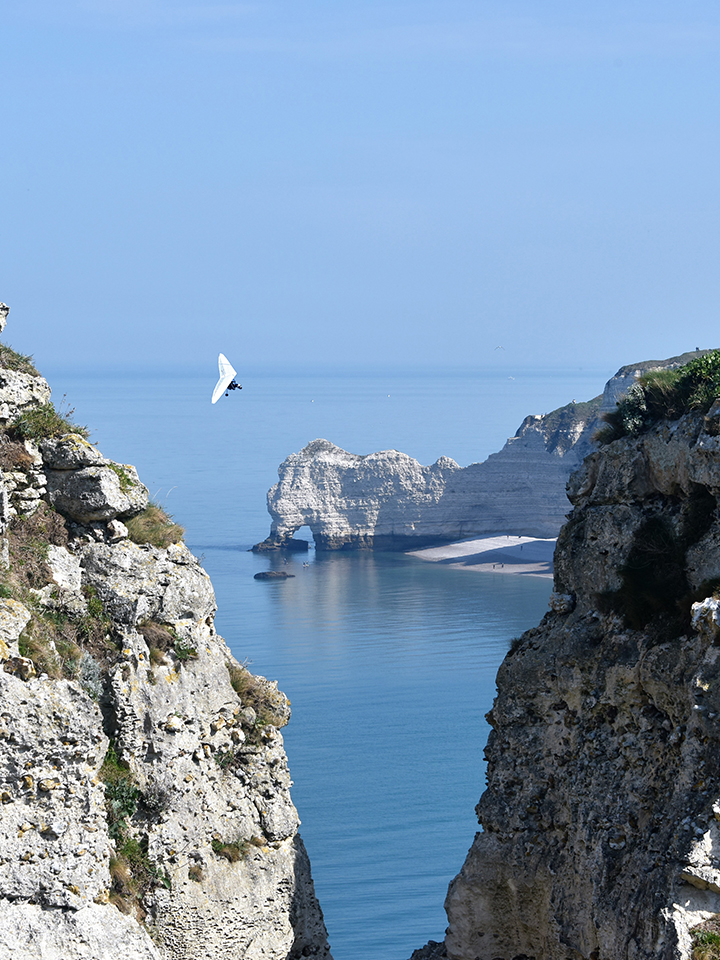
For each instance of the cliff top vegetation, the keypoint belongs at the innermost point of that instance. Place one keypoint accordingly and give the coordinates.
(12, 360)
(44, 422)
(664, 395)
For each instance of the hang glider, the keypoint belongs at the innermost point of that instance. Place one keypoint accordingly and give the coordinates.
(227, 378)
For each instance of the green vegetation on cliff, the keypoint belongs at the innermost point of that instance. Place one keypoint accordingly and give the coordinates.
(20, 362)
(154, 526)
(45, 421)
(664, 395)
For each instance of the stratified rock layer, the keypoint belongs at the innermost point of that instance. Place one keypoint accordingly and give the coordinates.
(601, 818)
(388, 500)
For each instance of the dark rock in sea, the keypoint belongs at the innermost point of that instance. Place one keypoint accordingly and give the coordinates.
(431, 951)
(273, 575)
(291, 545)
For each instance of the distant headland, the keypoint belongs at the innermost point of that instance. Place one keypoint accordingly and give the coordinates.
(389, 501)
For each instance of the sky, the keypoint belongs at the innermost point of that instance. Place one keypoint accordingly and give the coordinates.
(315, 184)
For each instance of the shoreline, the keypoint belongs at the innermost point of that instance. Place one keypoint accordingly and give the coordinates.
(529, 556)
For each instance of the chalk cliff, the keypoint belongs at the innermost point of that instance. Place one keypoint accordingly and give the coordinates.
(388, 500)
(145, 810)
(601, 818)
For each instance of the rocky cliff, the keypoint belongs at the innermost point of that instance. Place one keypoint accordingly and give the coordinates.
(388, 500)
(145, 809)
(600, 823)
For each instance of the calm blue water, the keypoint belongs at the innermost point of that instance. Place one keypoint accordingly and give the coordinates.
(389, 662)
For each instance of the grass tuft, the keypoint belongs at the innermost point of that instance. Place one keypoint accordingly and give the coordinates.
(231, 850)
(270, 706)
(133, 874)
(156, 656)
(20, 362)
(43, 422)
(161, 638)
(155, 527)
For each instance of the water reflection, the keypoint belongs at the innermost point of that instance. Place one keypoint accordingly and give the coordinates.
(390, 664)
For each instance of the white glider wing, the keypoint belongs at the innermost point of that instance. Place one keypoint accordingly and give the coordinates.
(227, 372)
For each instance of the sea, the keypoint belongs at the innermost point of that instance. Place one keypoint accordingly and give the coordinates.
(389, 661)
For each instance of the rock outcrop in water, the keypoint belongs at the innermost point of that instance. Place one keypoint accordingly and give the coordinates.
(601, 818)
(389, 501)
(145, 810)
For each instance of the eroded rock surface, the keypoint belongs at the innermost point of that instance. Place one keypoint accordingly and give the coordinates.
(601, 819)
(84, 486)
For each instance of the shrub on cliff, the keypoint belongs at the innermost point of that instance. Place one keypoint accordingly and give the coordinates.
(664, 395)
(706, 940)
(234, 850)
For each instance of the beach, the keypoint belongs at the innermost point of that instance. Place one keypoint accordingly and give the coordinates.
(509, 554)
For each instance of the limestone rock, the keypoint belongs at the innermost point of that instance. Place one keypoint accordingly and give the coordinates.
(562, 602)
(20, 392)
(22, 487)
(208, 774)
(706, 618)
(4, 509)
(54, 847)
(95, 932)
(65, 568)
(139, 583)
(13, 619)
(71, 452)
(116, 531)
(100, 492)
(387, 500)
(215, 788)
(431, 951)
(600, 831)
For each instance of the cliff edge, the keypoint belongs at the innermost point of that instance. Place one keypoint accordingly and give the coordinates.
(601, 818)
(144, 790)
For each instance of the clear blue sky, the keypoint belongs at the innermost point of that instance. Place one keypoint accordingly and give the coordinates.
(299, 182)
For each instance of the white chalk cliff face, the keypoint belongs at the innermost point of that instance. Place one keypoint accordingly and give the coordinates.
(388, 500)
(145, 809)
